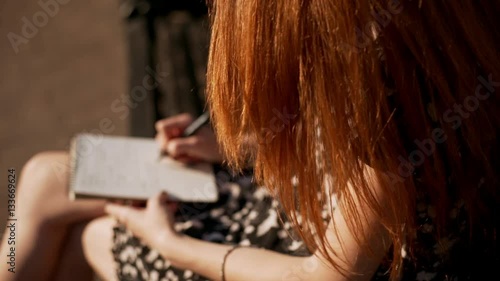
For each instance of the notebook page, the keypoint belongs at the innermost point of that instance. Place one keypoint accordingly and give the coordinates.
(125, 167)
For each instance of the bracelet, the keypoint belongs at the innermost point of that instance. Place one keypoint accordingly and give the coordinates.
(222, 271)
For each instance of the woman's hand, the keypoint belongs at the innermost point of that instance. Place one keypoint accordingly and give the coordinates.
(153, 224)
(202, 146)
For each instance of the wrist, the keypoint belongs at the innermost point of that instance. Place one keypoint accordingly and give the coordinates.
(165, 240)
(175, 247)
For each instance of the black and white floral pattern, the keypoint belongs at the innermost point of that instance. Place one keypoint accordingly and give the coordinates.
(244, 215)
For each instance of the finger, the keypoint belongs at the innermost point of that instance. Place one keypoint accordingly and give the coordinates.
(183, 146)
(160, 139)
(174, 121)
(162, 142)
(125, 215)
(158, 201)
(173, 126)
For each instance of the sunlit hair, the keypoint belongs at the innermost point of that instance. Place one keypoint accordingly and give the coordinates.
(326, 87)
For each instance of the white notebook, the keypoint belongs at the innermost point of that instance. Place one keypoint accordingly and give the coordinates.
(130, 168)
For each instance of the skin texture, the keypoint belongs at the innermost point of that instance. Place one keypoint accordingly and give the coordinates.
(48, 243)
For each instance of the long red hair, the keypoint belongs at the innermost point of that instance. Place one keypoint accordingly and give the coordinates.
(326, 87)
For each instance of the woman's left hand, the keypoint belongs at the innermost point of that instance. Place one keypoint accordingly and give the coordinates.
(152, 224)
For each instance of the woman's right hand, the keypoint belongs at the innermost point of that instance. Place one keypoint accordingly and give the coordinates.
(201, 147)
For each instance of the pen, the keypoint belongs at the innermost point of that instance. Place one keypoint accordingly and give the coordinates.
(197, 124)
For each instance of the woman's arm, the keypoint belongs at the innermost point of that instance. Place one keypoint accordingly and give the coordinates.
(206, 258)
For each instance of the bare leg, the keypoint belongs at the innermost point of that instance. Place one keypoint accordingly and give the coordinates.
(72, 263)
(45, 215)
(97, 243)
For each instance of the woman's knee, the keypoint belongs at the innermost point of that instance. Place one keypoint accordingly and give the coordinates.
(97, 241)
(43, 179)
(45, 167)
(47, 164)
(97, 233)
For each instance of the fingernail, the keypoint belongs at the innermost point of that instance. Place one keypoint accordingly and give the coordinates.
(170, 146)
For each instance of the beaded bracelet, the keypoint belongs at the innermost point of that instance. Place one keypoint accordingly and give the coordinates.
(222, 271)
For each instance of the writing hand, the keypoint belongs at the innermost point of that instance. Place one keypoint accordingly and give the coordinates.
(202, 146)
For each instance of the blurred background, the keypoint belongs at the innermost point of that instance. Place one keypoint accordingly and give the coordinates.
(111, 67)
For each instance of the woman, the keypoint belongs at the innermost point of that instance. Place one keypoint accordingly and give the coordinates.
(389, 105)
